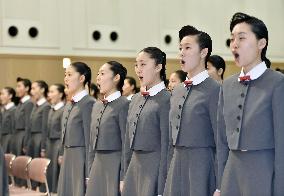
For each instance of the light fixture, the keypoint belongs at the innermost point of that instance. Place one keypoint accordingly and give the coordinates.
(66, 62)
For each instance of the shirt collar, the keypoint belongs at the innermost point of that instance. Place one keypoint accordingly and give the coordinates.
(41, 101)
(58, 105)
(113, 96)
(200, 77)
(76, 98)
(255, 72)
(9, 105)
(129, 97)
(156, 89)
(25, 98)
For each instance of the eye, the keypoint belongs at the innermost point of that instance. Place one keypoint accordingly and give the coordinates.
(180, 48)
(187, 47)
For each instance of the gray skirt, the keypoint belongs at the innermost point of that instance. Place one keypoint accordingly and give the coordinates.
(52, 152)
(72, 173)
(34, 146)
(18, 143)
(191, 172)
(6, 143)
(248, 173)
(3, 176)
(141, 178)
(105, 174)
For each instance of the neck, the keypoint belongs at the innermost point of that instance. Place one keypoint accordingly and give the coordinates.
(250, 66)
(110, 92)
(77, 91)
(197, 70)
(153, 83)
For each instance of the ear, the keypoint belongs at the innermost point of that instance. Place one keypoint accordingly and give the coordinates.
(220, 71)
(262, 43)
(158, 67)
(82, 79)
(204, 52)
(116, 78)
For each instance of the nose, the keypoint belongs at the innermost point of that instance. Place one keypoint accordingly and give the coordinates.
(234, 44)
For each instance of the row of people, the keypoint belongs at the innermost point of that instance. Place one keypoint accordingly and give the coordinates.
(202, 138)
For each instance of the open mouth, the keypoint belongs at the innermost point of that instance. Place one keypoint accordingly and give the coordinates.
(236, 55)
(140, 78)
(182, 62)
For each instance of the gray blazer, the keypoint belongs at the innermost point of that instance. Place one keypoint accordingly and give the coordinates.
(54, 123)
(39, 117)
(22, 117)
(193, 114)
(108, 127)
(250, 117)
(76, 125)
(148, 129)
(8, 121)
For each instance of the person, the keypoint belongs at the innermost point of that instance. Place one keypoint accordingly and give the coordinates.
(8, 118)
(147, 131)
(36, 134)
(76, 122)
(216, 67)
(95, 92)
(108, 132)
(250, 119)
(22, 115)
(56, 96)
(129, 87)
(193, 120)
(176, 78)
(4, 188)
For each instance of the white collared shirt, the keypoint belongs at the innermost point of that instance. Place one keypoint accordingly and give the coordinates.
(25, 98)
(255, 72)
(199, 78)
(9, 105)
(76, 98)
(113, 96)
(58, 105)
(156, 89)
(129, 97)
(41, 101)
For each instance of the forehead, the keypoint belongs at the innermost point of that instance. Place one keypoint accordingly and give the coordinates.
(241, 28)
(70, 69)
(142, 56)
(190, 39)
(104, 67)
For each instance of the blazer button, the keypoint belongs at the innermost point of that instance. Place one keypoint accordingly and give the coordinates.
(178, 116)
(66, 118)
(137, 115)
(238, 117)
(177, 127)
(240, 106)
(179, 106)
(238, 130)
(134, 123)
(242, 95)
(98, 119)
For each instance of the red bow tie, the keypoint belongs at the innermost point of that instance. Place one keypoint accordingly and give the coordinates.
(145, 94)
(104, 101)
(72, 101)
(187, 83)
(244, 78)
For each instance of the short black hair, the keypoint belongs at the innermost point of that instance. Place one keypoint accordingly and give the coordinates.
(203, 39)
(218, 62)
(258, 28)
(181, 75)
(26, 82)
(95, 89)
(132, 82)
(118, 68)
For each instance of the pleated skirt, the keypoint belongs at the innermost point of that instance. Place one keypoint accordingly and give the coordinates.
(105, 174)
(142, 174)
(72, 173)
(191, 172)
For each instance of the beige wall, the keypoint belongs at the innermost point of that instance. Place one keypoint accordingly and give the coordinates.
(49, 68)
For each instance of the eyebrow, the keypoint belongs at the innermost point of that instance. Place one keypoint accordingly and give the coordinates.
(240, 33)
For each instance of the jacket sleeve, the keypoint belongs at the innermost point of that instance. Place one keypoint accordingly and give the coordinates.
(278, 124)
(164, 128)
(45, 113)
(122, 127)
(222, 144)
